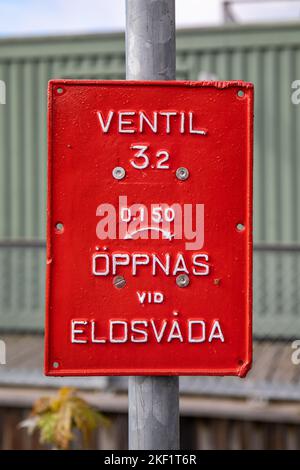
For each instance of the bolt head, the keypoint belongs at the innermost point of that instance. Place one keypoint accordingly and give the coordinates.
(118, 173)
(119, 282)
(182, 173)
(182, 280)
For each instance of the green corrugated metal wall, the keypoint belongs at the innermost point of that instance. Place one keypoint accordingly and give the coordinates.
(269, 56)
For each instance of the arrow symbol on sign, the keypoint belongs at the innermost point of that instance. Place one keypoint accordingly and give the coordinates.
(167, 234)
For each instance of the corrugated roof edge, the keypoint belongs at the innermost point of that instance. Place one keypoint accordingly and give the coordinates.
(188, 40)
(70, 37)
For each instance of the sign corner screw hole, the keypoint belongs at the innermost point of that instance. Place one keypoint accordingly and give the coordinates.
(55, 364)
(59, 227)
(240, 93)
(59, 90)
(240, 227)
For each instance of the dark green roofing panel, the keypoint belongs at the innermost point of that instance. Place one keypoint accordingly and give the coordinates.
(267, 55)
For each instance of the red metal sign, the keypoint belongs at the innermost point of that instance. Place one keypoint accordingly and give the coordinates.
(149, 253)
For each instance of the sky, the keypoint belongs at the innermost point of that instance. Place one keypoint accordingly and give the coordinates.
(42, 17)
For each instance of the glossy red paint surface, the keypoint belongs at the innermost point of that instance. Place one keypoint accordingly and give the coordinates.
(82, 157)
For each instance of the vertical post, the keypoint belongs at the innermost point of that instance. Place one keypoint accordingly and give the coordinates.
(150, 40)
(150, 55)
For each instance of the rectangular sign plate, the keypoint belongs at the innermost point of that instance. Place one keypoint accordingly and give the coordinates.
(149, 239)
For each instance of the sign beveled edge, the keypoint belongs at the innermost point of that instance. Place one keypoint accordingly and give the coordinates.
(241, 370)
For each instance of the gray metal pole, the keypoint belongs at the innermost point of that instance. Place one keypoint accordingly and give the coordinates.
(150, 40)
(150, 55)
(153, 413)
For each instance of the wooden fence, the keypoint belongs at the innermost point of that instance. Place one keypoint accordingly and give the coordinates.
(227, 424)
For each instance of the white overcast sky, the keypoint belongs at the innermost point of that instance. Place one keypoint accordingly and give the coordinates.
(31, 17)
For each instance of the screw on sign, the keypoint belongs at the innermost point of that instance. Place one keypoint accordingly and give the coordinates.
(149, 240)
